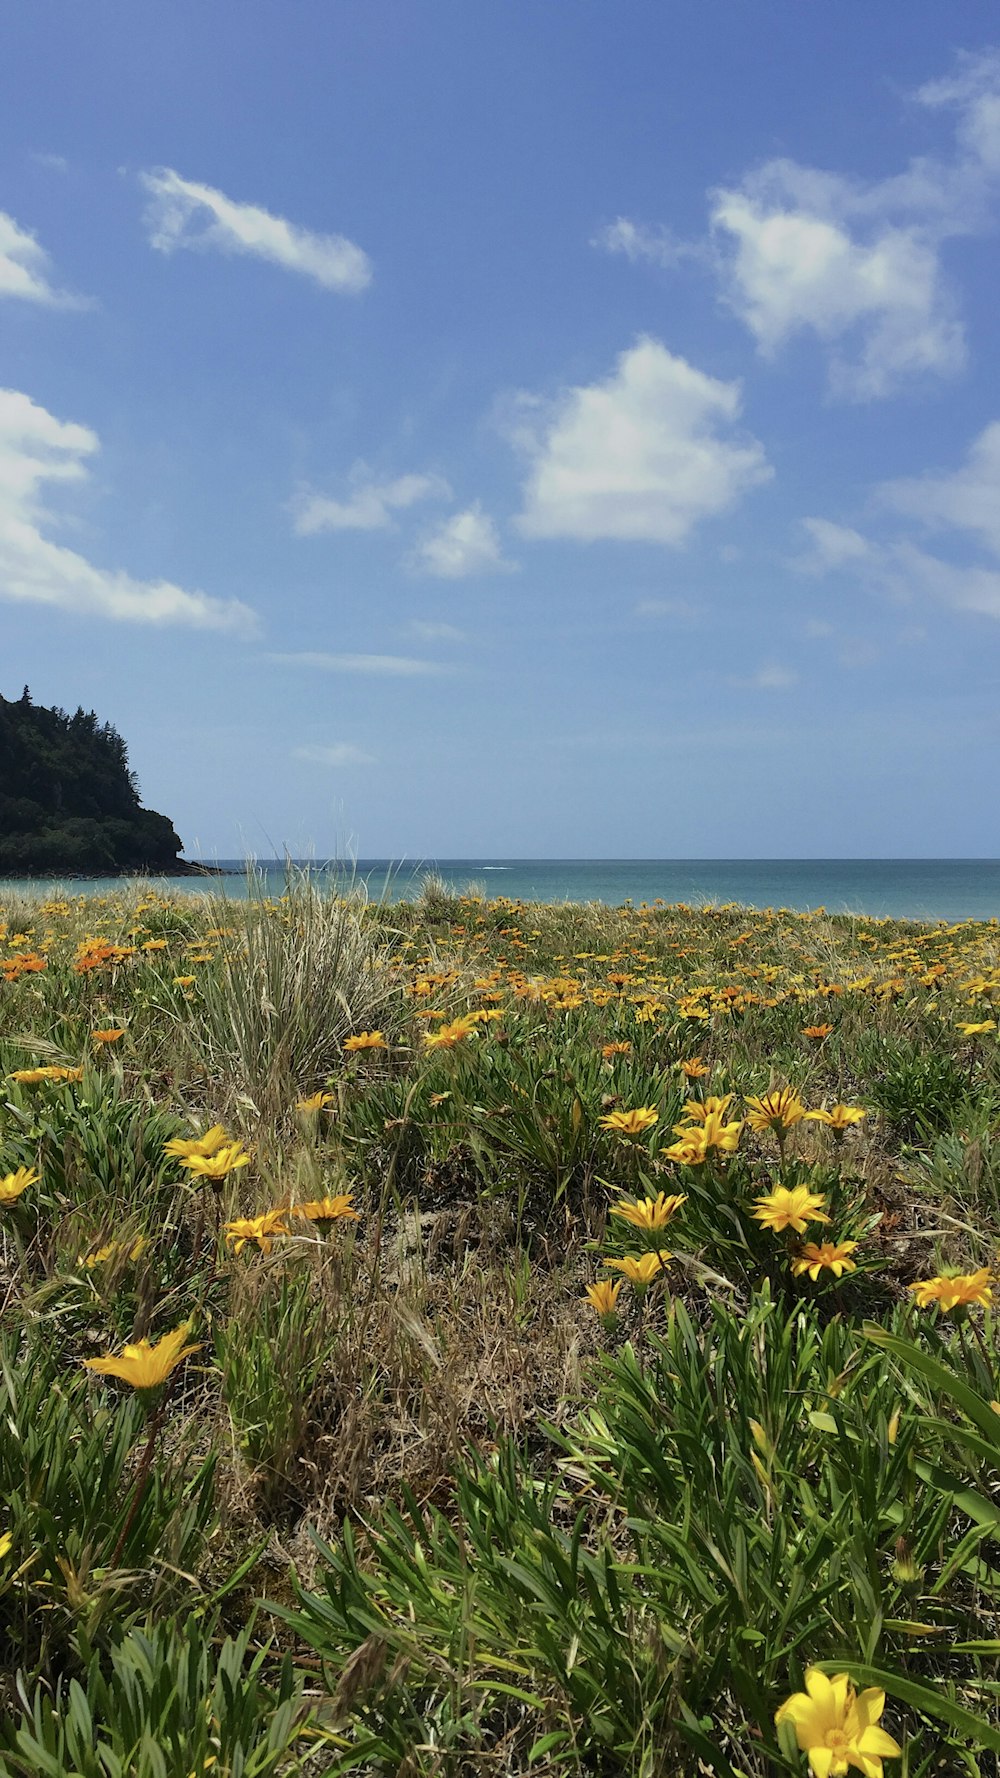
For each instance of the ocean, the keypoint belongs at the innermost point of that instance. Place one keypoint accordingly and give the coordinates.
(900, 888)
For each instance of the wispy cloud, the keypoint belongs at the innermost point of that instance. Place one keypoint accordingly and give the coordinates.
(965, 499)
(24, 269)
(641, 457)
(369, 506)
(435, 632)
(681, 611)
(855, 262)
(393, 666)
(466, 544)
(341, 753)
(53, 163)
(36, 449)
(771, 677)
(183, 213)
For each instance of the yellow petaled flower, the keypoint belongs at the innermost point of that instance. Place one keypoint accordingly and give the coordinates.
(837, 1728)
(446, 1036)
(631, 1123)
(145, 1366)
(697, 1110)
(184, 981)
(690, 1151)
(714, 1133)
(956, 1292)
(603, 1296)
(217, 1165)
(155, 944)
(110, 1036)
(824, 1256)
(113, 1250)
(261, 1229)
(790, 1209)
(777, 1110)
(623, 1048)
(183, 1148)
(367, 1040)
(6, 1544)
(839, 1117)
(33, 1077)
(13, 1184)
(639, 1268)
(818, 1032)
(438, 1098)
(973, 1030)
(649, 1213)
(695, 1069)
(336, 1209)
(315, 1102)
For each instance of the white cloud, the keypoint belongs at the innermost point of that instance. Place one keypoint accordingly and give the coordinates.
(24, 268)
(832, 546)
(640, 457)
(370, 505)
(182, 213)
(35, 449)
(967, 499)
(791, 263)
(772, 677)
(467, 543)
(53, 163)
(342, 753)
(974, 89)
(638, 241)
(393, 666)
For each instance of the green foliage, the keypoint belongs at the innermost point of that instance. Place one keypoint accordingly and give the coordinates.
(166, 1704)
(68, 802)
(918, 1090)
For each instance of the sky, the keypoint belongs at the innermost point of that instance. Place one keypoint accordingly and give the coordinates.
(510, 429)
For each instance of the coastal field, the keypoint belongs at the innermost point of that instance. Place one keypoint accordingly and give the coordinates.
(479, 1337)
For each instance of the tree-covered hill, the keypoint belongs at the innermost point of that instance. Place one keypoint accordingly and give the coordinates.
(68, 801)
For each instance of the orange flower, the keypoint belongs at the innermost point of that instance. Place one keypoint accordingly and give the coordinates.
(817, 1032)
(366, 1040)
(110, 1036)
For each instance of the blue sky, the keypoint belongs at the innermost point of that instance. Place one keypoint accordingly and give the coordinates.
(513, 429)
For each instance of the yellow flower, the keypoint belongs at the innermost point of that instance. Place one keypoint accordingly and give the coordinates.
(714, 1133)
(6, 1544)
(155, 944)
(825, 1256)
(183, 1148)
(777, 1110)
(218, 1165)
(145, 1366)
(13, 1184)
(694, 1068)
(697, 1110)
(631, 1123)
(973, 1030)
(315, 1102)
(817, 1032)
(110, 1036)
(336, 1209)
(33, 1077)
(690, 1151)
(446, 1036)
(616, 1049)
(639, 1268)
(837, 1728)
(955, 1292)
(261, 1229)
(113, 1250)
(839, 1117)
(649, 1213)
(790, 1209)
(184, 981)
(603, 1296)
(367, 1040)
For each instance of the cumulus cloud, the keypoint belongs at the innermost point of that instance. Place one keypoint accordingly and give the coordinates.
(24, 268)
(183, 213)
(392, 666)
(468, 543)
(857, 263)
(368, 507)
(640, 457)
(36, 449)
(965, 499)
(341, 753)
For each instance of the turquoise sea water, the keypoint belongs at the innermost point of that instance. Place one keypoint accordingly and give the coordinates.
(903, 888)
